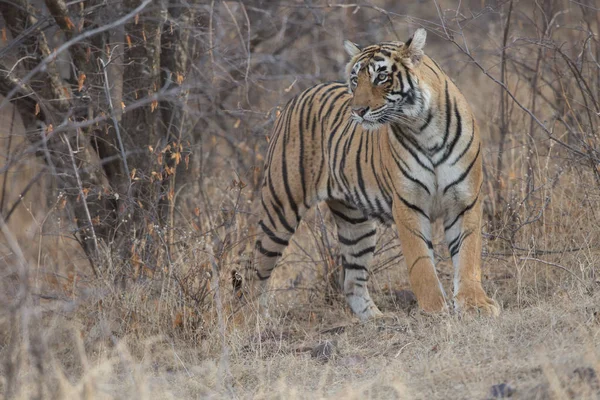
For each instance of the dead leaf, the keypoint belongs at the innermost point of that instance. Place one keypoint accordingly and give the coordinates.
(81, 81)
(70, 24)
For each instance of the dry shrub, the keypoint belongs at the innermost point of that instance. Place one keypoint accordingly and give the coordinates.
(143, 305)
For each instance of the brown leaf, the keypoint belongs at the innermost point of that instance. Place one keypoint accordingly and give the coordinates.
(4, 39)
(70, 24)
(178, 321)
(37, 108)
(128, 38)
(80, 81)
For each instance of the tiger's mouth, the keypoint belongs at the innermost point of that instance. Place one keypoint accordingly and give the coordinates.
(368, 122)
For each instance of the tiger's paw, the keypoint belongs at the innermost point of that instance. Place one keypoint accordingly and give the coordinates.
(432, 303)
(364, 308)
(475, 300)
(371, 314)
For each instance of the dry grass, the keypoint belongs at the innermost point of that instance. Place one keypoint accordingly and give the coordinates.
(159, 319)
(407, 355)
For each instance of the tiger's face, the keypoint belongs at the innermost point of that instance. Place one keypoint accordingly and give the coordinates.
(385, 83)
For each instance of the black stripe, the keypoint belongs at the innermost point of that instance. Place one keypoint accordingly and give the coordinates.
(272, 235)
(465, 172)
(361, 182)
(340, 136)
(385, 192)
(266, 252)
(301, 128)
(416, 261)
(423, 238)
(399, 76)
(266, 211)
(448, 122)
(455, 248)
(278, 207)
(410, 82)
(352, 242)
(432, 70)
(401, 139)
(460, 214)
(413, 207)
(361, 253)
(397, 159)
(437, 65)
(355, 267)
(348, 219)
(426, 124)
(468, 144)
(284, 173)
(263, 278)
(457, 136)
(344, 157)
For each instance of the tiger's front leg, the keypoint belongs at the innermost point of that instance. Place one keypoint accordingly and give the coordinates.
(414, 230)
(463, 235)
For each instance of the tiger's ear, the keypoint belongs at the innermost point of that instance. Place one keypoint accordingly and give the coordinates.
(414, 47)
(351, 48)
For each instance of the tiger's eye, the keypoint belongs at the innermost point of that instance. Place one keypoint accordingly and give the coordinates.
(382, 77)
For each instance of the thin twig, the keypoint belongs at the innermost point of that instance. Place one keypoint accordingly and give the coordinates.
(50, 58)
(115, 122)
(552, 265)
(82, 194)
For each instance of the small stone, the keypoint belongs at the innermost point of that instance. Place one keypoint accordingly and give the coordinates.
(324, 351)
(352, 361)
(501, 391)
(587, 375)
(406, 299)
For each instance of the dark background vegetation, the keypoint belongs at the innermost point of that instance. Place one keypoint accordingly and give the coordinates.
(132, 142)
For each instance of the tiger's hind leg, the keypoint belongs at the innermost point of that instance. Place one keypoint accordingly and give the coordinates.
(278, 222)
(357, 235)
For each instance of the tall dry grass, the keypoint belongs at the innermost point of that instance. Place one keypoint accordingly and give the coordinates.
(158, 319)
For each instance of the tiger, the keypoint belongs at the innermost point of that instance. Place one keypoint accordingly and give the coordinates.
(396, 143)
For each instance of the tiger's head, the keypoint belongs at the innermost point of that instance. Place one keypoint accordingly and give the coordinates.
(385, 82)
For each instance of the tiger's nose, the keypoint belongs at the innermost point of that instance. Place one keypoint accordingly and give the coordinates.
(360, 111)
